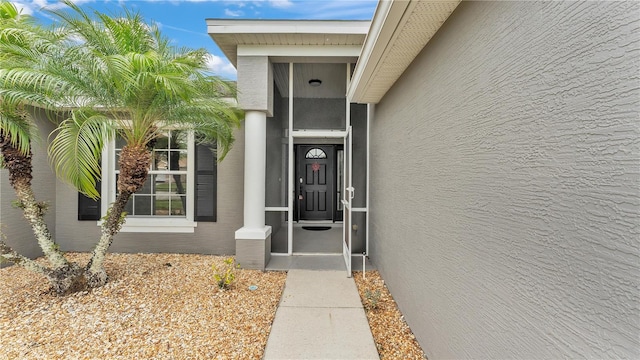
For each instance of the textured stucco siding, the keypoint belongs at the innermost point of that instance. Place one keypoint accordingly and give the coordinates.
(314, 114)
(14, 229)
(506, 183)
(209, 237)
(255, 83)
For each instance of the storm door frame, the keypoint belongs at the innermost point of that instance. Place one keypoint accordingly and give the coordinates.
(320, 135)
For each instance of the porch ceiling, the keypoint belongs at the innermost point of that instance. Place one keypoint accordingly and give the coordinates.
(333, 77)
(399, 31)
(231, 33)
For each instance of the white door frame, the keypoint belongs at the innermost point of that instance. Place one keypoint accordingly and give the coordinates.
(347, 201)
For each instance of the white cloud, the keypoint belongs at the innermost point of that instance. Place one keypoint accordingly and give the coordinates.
(341, 9)
(281, 3)
(221, 67)
(274, 3)
(28, 7)
(232, 13)
(321, 9)
(163, 25)
(23, 8)
(40, 3)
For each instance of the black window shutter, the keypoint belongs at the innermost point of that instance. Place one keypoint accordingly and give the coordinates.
(89, 209)
(206, 178)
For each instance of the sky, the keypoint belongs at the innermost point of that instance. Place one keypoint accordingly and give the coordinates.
(183, 21)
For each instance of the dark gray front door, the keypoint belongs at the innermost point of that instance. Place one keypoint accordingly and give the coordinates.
(315, 181)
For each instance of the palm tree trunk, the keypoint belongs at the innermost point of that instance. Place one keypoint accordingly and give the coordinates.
(20, 168)
(64, 280)
(134, 168)
(10, 255)
(34, 213)
(64, 277)
(96, 275)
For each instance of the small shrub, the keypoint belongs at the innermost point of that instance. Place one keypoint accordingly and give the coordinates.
(225, 275)
(372, 298)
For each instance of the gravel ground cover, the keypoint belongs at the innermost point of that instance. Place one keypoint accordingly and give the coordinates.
(392, 335)
(167, 306)
(155, 306)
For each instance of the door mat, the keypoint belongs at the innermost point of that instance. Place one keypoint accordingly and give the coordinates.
(316, 228)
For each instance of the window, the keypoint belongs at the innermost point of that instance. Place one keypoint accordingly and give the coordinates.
(180, 189)
(165, 191)
(315, 153)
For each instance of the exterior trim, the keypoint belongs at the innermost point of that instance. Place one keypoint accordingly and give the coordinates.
(163, 225)
(231, 33)
(351, 51)
(338, 134)
(385, 55)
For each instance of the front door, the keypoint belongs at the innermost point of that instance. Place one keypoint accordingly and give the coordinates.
(315, 182)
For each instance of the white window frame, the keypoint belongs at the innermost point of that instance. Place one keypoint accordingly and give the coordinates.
(151, 224)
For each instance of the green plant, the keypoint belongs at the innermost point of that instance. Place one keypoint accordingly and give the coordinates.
(225, 275)
(372, 298)
(117, 76)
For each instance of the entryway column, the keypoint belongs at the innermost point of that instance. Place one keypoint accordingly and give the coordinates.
(255, 89)
(253, 240)
(255, 163)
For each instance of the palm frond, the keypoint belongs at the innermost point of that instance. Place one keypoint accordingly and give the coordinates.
(126, 68)
(18, 128)
(8, 11)
(76, 147)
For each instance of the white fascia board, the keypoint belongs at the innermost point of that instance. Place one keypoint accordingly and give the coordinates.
(299, 50)
(238, 26)
(385, 21)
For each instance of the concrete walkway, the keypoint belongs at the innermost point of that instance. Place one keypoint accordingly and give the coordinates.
(320, 316)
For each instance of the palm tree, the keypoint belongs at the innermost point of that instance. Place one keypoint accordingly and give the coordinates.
(22, 44)
(120, 77)
(129, 81)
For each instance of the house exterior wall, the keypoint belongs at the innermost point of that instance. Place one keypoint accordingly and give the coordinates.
(314, 114)
(15, 230)
(506, 185)
(255, 84)
(208, 237)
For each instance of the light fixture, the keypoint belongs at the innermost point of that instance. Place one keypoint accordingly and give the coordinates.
(315, 82)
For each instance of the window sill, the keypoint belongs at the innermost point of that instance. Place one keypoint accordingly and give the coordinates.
(159, 225)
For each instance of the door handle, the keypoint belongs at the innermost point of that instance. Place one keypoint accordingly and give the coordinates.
(300, 197)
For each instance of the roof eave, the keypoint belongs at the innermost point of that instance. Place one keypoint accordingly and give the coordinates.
(226, 32)
(387, 27)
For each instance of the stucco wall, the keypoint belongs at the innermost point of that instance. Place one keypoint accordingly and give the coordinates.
(255, 83)
(209, 237)
(311, 113)
(15, 230)
(506, 183)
